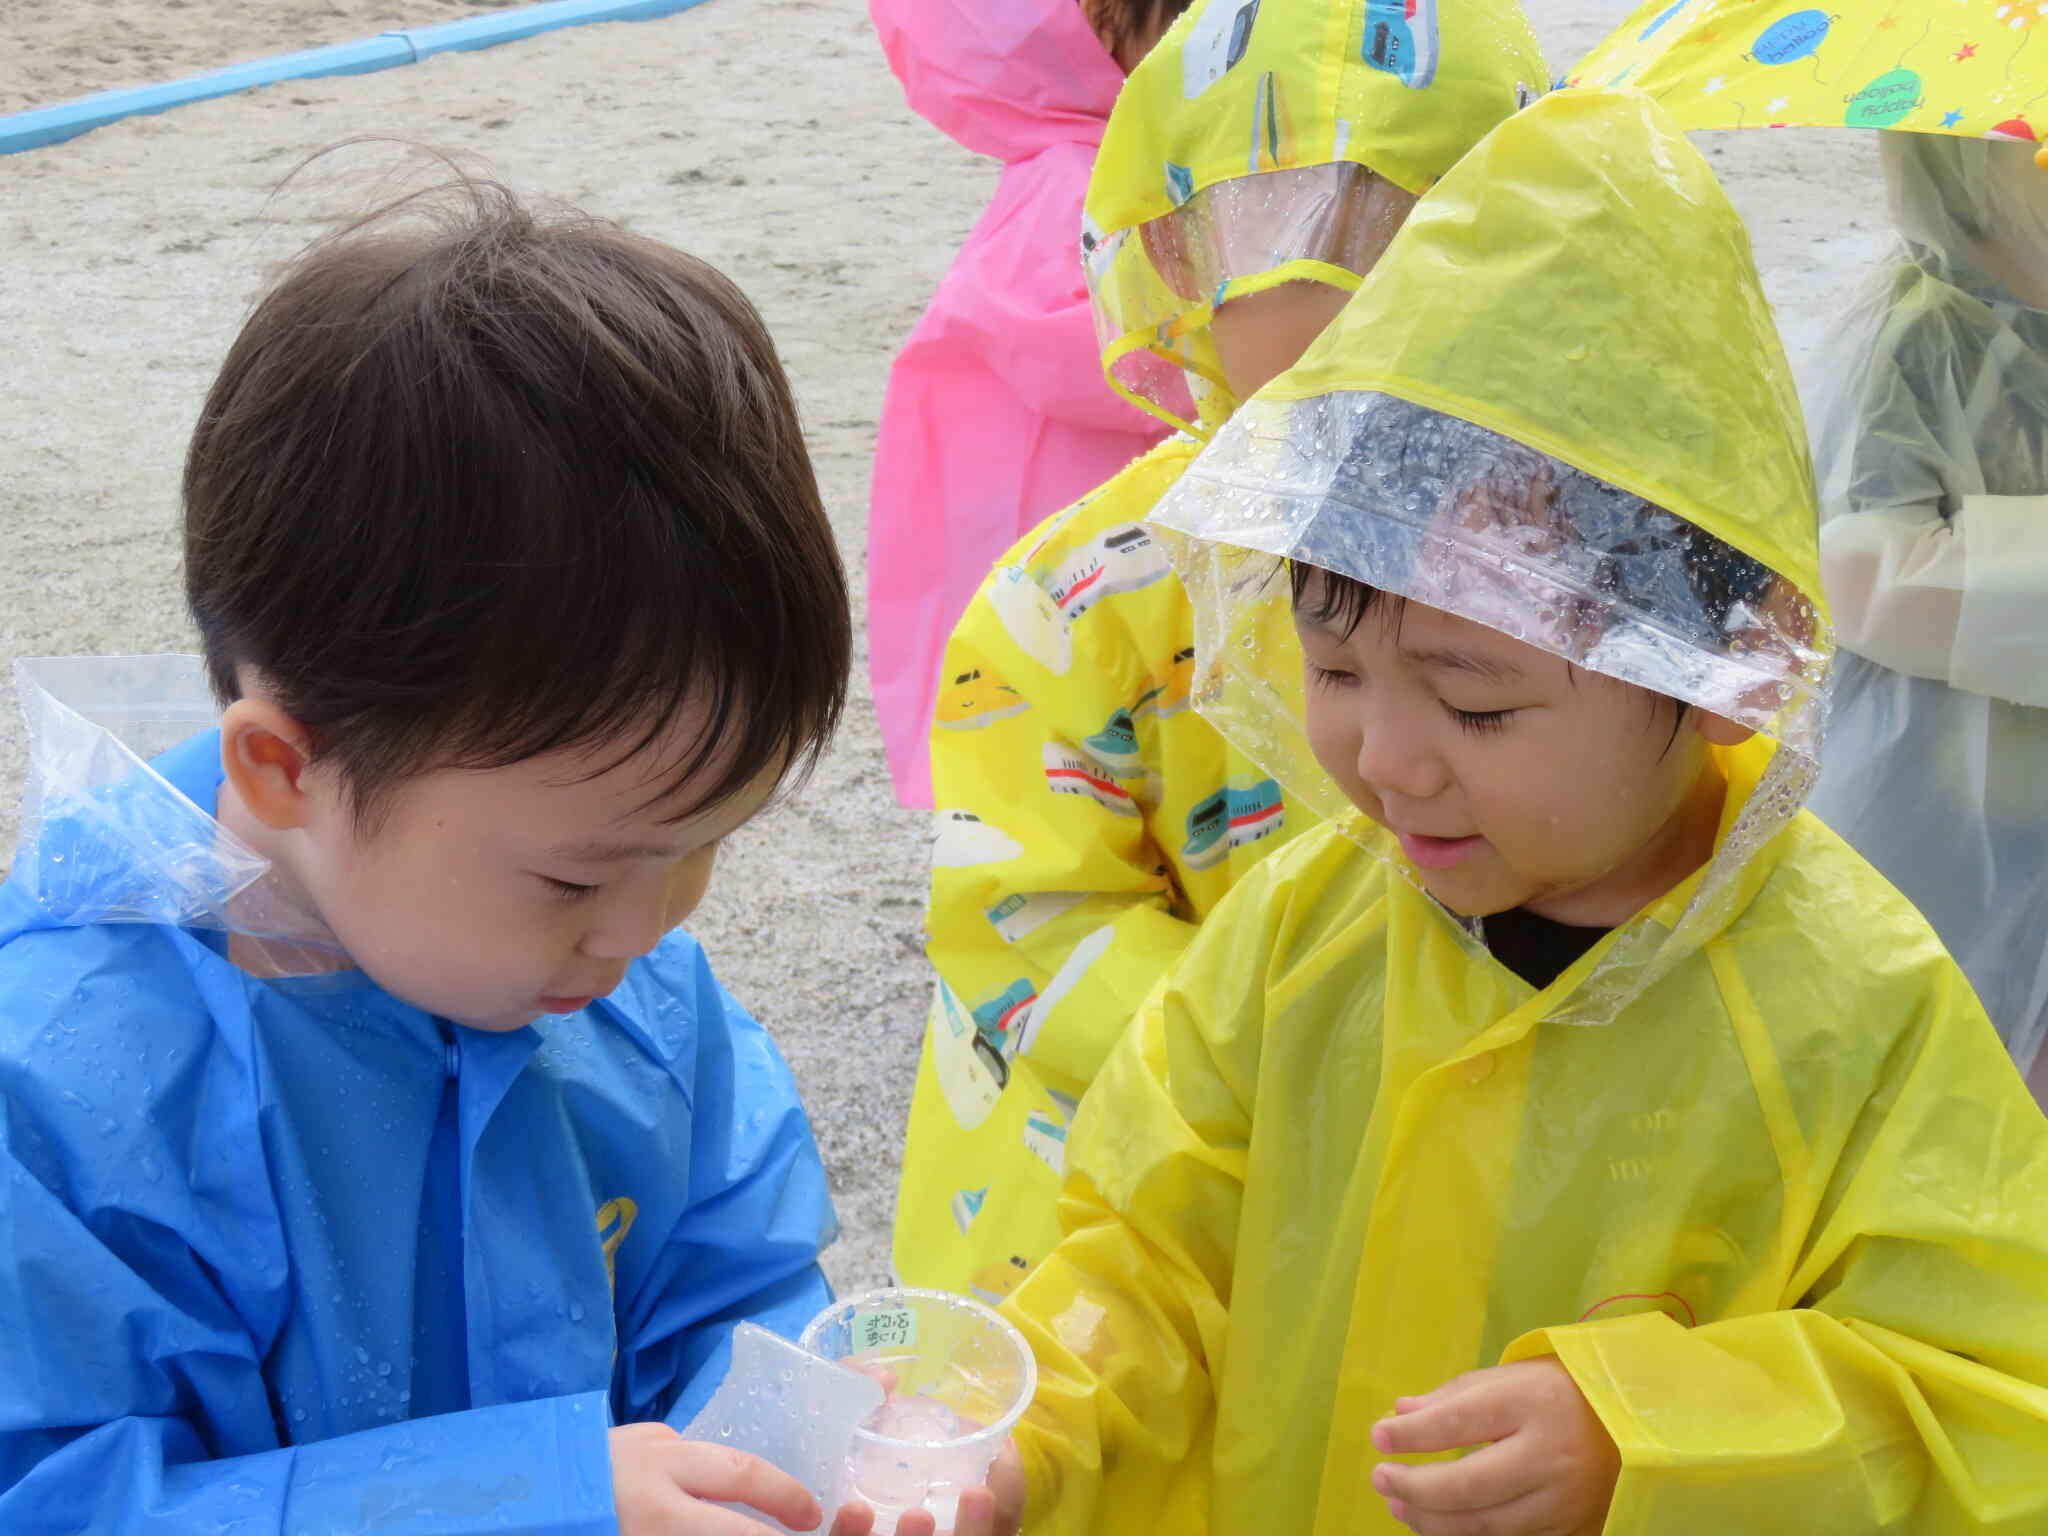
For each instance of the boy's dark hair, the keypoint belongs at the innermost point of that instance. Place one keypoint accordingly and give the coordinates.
(1625, 550)
(1116, 22)
(475, 485)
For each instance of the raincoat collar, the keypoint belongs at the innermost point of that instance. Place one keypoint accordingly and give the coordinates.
(117, 817)
(96, 836)
(1006, 80)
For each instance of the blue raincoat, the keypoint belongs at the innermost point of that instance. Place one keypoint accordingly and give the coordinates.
(291, 1256)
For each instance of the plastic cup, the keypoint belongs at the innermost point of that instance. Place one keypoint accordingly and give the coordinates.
(963, 1376)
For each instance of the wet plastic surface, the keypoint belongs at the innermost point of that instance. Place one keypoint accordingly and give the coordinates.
(789, 1407)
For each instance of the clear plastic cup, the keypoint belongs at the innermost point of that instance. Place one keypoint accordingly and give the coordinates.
(963, 1376)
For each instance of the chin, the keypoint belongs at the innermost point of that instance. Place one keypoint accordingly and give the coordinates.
(1471, 898)
(495, 1023)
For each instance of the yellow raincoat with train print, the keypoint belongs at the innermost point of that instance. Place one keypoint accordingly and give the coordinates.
(1755, 1169)
(1087, 818)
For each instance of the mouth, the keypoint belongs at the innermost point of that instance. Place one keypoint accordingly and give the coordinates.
(1427, 852)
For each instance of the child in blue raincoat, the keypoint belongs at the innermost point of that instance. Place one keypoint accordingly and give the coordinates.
(374, 1153)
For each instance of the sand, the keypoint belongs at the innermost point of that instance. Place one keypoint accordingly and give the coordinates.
(765, 135)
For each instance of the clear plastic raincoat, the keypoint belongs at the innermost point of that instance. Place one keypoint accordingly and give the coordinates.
(290, 1255)
(1931, 438)
(1753, 1168)
(996, 413)
(1088, 818)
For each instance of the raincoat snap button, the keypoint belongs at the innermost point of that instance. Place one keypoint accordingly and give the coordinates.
(1479, 1068)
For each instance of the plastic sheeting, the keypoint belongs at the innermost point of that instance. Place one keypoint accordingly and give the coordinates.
(1931, 437)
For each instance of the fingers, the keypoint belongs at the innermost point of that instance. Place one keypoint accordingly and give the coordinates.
(977, 1514)
(709, 1471)
(1496, 1475)
(1471, 1410)
(1006, 1483)
(855, 1519)
(1526, 1514)
(874, 1369)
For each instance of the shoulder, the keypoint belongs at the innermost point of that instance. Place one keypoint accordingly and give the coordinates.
(1125, 497)
(671, 1007)
(1319, 893)
(118, 986)
(1084, 605)
(1832, 955)
(117, 1067)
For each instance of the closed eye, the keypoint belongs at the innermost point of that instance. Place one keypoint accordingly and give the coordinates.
(566, 890)
(1329, 677)
(1480, 722)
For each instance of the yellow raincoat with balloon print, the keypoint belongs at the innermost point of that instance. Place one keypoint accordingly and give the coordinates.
(1754, 1169)
(1087, 818)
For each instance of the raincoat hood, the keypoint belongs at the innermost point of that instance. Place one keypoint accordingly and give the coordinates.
(104, 836)
(1973, 213)
(1676, 547)
(1974, 71)
(1004, 80)
(1256, 145)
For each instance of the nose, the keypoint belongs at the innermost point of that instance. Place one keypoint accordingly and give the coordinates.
(1399, 764)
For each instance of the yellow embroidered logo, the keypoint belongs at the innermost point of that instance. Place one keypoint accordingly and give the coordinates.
(614, 1221)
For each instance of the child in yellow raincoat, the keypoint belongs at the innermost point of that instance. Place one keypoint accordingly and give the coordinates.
(1256, 163)
(1571, 1098)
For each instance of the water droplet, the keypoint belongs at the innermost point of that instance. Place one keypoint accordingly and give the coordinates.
(575, 1311)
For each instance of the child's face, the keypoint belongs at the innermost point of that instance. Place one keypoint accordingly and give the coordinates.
(1511, 778)
(1259, 337)
(492, 897)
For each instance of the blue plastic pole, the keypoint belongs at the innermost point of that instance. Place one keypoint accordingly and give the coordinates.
(52, 125)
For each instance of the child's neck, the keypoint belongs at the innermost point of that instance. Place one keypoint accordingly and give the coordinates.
(276, 902)
(1681, 845)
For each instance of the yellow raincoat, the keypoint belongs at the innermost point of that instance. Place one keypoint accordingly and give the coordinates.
(1755, 1168)
(1088, 819)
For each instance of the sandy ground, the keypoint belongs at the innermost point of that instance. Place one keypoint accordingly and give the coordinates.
(765, 135)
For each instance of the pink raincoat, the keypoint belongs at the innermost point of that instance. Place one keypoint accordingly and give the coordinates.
(997, 414)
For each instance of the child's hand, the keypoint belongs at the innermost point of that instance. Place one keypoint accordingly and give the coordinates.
(998, 1508)
(1548, 1466)
(995, 1509)
(660, 1480)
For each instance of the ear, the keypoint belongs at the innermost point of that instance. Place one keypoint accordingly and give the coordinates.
(265, 753)
(1719, 729)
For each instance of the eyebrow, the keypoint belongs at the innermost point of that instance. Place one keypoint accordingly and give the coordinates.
(1446, 660)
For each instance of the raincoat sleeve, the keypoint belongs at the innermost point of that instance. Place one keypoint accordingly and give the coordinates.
(1128, 1315)
(1959, 599)
(1927, 573)
(136, 1309)
(746, 1249)
(1903, 1385)
(1067, 889)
